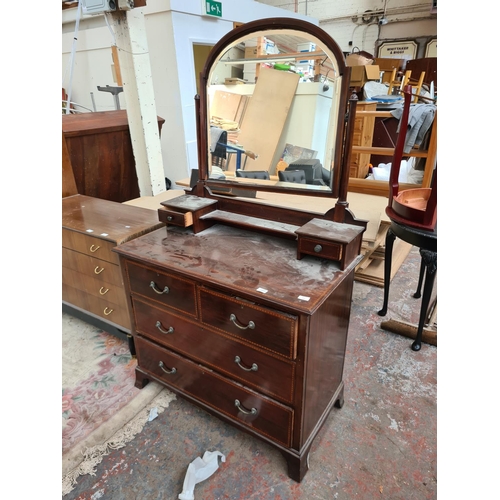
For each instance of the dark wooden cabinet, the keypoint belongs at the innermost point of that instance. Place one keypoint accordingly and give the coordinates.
(101, 154)
(233, 322)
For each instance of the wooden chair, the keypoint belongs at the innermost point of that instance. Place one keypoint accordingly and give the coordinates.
(413, 215)
(407, 80)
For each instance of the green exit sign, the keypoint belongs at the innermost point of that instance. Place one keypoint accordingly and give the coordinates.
(213, 8)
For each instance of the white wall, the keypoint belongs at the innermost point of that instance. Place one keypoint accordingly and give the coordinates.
(172, 27)
(406, 19)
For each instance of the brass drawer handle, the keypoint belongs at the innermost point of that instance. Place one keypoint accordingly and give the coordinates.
(159, 326)
(97, 270)
(109, 311)
(166, 370)
(102, 291)
(157, 290)
(93, 248)
(237, 403)
(250, 325)
(253, 368)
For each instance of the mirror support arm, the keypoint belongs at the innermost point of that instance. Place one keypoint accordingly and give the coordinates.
(342, 203)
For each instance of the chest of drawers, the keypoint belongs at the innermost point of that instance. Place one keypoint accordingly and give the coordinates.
(233, 322)
(92, 282)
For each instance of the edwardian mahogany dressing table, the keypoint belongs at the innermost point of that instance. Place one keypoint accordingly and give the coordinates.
(243, 308)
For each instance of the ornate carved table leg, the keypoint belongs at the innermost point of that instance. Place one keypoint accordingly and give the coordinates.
(417, 294)
(430, 260)
(389, 244)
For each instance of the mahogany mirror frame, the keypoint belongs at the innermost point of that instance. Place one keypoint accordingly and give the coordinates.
(206, 187)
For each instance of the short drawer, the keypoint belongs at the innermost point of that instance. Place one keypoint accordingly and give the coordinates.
(257, 325)
(91, 266)
(107, 310)
(89, 245)
(95, 286)
(262, 414)
(170, 290)
(326, 250)
(175, 218)
(270, 375)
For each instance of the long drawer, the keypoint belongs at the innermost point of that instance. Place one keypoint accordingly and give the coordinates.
(89, 245)
(91, 266)
(169, 290)
(110, 312)
(95, 286)
(240, 404)
(268, 374)
(266, 328)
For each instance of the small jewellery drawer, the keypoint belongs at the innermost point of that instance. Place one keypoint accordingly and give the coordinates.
(170, 290)
(270, 375)
(90, 266)
(240, 404)
(326, 250)
(175, 218)
(266, 328)
(89, 245)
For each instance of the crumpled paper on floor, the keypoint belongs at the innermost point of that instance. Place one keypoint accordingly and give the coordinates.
(199, 470)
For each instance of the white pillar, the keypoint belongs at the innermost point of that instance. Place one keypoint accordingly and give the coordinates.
(133, 53)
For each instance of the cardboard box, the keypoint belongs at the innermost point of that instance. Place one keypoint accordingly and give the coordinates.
(357, 59)
(250, 52)
(361, 74)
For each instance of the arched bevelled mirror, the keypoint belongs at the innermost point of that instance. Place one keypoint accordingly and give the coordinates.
(273, 101)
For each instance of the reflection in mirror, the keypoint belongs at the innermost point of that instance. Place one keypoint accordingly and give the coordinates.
(273, 102)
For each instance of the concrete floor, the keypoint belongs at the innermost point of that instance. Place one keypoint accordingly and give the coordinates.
(381, 444)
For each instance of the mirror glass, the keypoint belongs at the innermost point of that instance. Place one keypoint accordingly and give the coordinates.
(272, 105)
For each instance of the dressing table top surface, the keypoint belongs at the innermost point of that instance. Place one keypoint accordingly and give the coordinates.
(247, 262)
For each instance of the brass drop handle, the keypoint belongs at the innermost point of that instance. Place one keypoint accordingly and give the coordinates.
(97, 270)
(109, 311)
(159, 326)
(250, 325)
(103, 291)
(253, 368)
(166, 370)
(94, 249)
(238, 405)
(157, 290)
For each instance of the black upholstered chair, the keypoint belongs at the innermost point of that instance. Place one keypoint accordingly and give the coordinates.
(256, 174)
(297, 176)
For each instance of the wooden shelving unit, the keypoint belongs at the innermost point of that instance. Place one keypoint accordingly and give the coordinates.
(381, 188)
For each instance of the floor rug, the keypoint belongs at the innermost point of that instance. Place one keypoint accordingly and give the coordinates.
(102, 410)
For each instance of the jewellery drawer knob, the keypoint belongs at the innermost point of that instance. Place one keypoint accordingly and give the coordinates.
(318, 248)
(166, 370)
(157, 290)
(238, 405)
(94, 248)
(170, 218)
(97, 270)
(162, 330)
(235, 322)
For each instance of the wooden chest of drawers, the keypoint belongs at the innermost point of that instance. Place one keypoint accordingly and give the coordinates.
(233, 322)
(92, 282)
